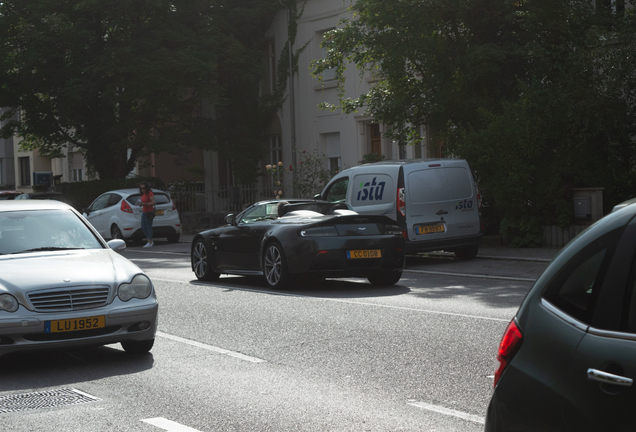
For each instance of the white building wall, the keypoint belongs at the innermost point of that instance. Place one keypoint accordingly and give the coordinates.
(312, 124)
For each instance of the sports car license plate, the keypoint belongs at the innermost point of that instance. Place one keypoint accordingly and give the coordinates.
(158, 212)
(74, 324)
(430, 229)
(374, 253)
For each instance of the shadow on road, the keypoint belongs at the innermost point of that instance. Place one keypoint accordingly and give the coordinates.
(329, 288)
(28, 370)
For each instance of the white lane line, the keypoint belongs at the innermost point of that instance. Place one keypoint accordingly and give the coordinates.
(476, 276)
(506, 320)
(211, 348)
(448, 411)
(169, 425)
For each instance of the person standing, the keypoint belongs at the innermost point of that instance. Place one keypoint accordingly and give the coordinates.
(147, 202)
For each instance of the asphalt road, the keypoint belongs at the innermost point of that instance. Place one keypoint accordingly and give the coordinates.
(339, 356)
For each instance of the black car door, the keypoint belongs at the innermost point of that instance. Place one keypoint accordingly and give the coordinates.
(239, 244)
(605, 360)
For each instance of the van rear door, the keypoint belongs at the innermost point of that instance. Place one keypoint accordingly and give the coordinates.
(429, 213)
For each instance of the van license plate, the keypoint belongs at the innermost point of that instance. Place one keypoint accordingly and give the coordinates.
(158, 212)
(353, 254)
(430, 229)
(74, 324)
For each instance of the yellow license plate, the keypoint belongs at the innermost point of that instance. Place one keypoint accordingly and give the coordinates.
(375, 253)
(430, 229)
(158, 212)
(74, 324)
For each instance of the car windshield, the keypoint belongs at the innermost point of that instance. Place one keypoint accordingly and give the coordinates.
(44, 230)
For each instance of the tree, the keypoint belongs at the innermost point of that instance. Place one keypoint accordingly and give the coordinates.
(516, 87)
(119, 80)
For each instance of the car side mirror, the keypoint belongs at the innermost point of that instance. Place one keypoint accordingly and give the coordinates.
(317, 196)
(87, 211)
(118, 245)
(230, 219)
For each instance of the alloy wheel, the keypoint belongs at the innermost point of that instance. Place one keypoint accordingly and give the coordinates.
(115, 233)
(273, 265)
(200, 259)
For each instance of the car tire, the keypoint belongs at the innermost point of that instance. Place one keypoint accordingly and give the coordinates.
(115, 233)
(200, 258)
(137, 347)
(275, 266)
(388, 278)
(174, 238)
(467, 253)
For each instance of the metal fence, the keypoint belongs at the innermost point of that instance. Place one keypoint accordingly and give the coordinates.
(193, 197)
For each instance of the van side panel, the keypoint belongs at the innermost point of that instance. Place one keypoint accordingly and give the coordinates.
(465, 205)
(373, 193)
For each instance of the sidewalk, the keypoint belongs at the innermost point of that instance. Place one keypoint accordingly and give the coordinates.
(485, 251)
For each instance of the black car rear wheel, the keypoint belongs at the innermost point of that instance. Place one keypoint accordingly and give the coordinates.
(275, 266)
(201, 262)
(385, 278)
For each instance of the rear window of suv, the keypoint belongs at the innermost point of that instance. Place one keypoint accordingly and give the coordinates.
(160, 198)
(576, 287)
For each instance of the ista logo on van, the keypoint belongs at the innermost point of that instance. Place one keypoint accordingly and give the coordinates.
(465, 205)
(371, 191)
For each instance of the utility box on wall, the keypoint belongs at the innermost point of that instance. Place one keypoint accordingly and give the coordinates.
(588, 204)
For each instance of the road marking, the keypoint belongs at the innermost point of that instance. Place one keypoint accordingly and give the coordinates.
(477, 276)
(211, 348)
(169, 425)
(506, 320)
(448, 411)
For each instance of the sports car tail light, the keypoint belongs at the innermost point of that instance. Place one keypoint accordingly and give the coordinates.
(392, 230)
(401, 201)
(125, 207)
(509, 346)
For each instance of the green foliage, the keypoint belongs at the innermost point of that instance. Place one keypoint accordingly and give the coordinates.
(372, 157)
(311, 175)
(522, 231)
(539, 96)
(118, 80)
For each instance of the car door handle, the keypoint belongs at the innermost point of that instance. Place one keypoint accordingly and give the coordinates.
(608, 378)
(441, 212)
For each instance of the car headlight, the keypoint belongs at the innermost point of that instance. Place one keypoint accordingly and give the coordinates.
(326, 231)
(8, 303)
(140, 287)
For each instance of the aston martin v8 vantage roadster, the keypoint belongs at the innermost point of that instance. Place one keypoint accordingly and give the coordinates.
(284, 239)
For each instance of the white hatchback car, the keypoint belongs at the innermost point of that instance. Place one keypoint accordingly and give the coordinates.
(115, 215)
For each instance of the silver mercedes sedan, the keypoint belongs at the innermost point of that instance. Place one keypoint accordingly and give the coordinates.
(62, 285)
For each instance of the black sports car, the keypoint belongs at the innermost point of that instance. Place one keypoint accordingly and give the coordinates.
(281, 239)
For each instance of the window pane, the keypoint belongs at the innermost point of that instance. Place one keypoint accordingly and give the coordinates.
(575, 289)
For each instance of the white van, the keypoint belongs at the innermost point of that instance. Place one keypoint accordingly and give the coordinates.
(434, 200)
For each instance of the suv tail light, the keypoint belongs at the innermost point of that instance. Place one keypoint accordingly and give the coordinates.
(401, 201)
(509, 346)
(174, 206)
(125, 207)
